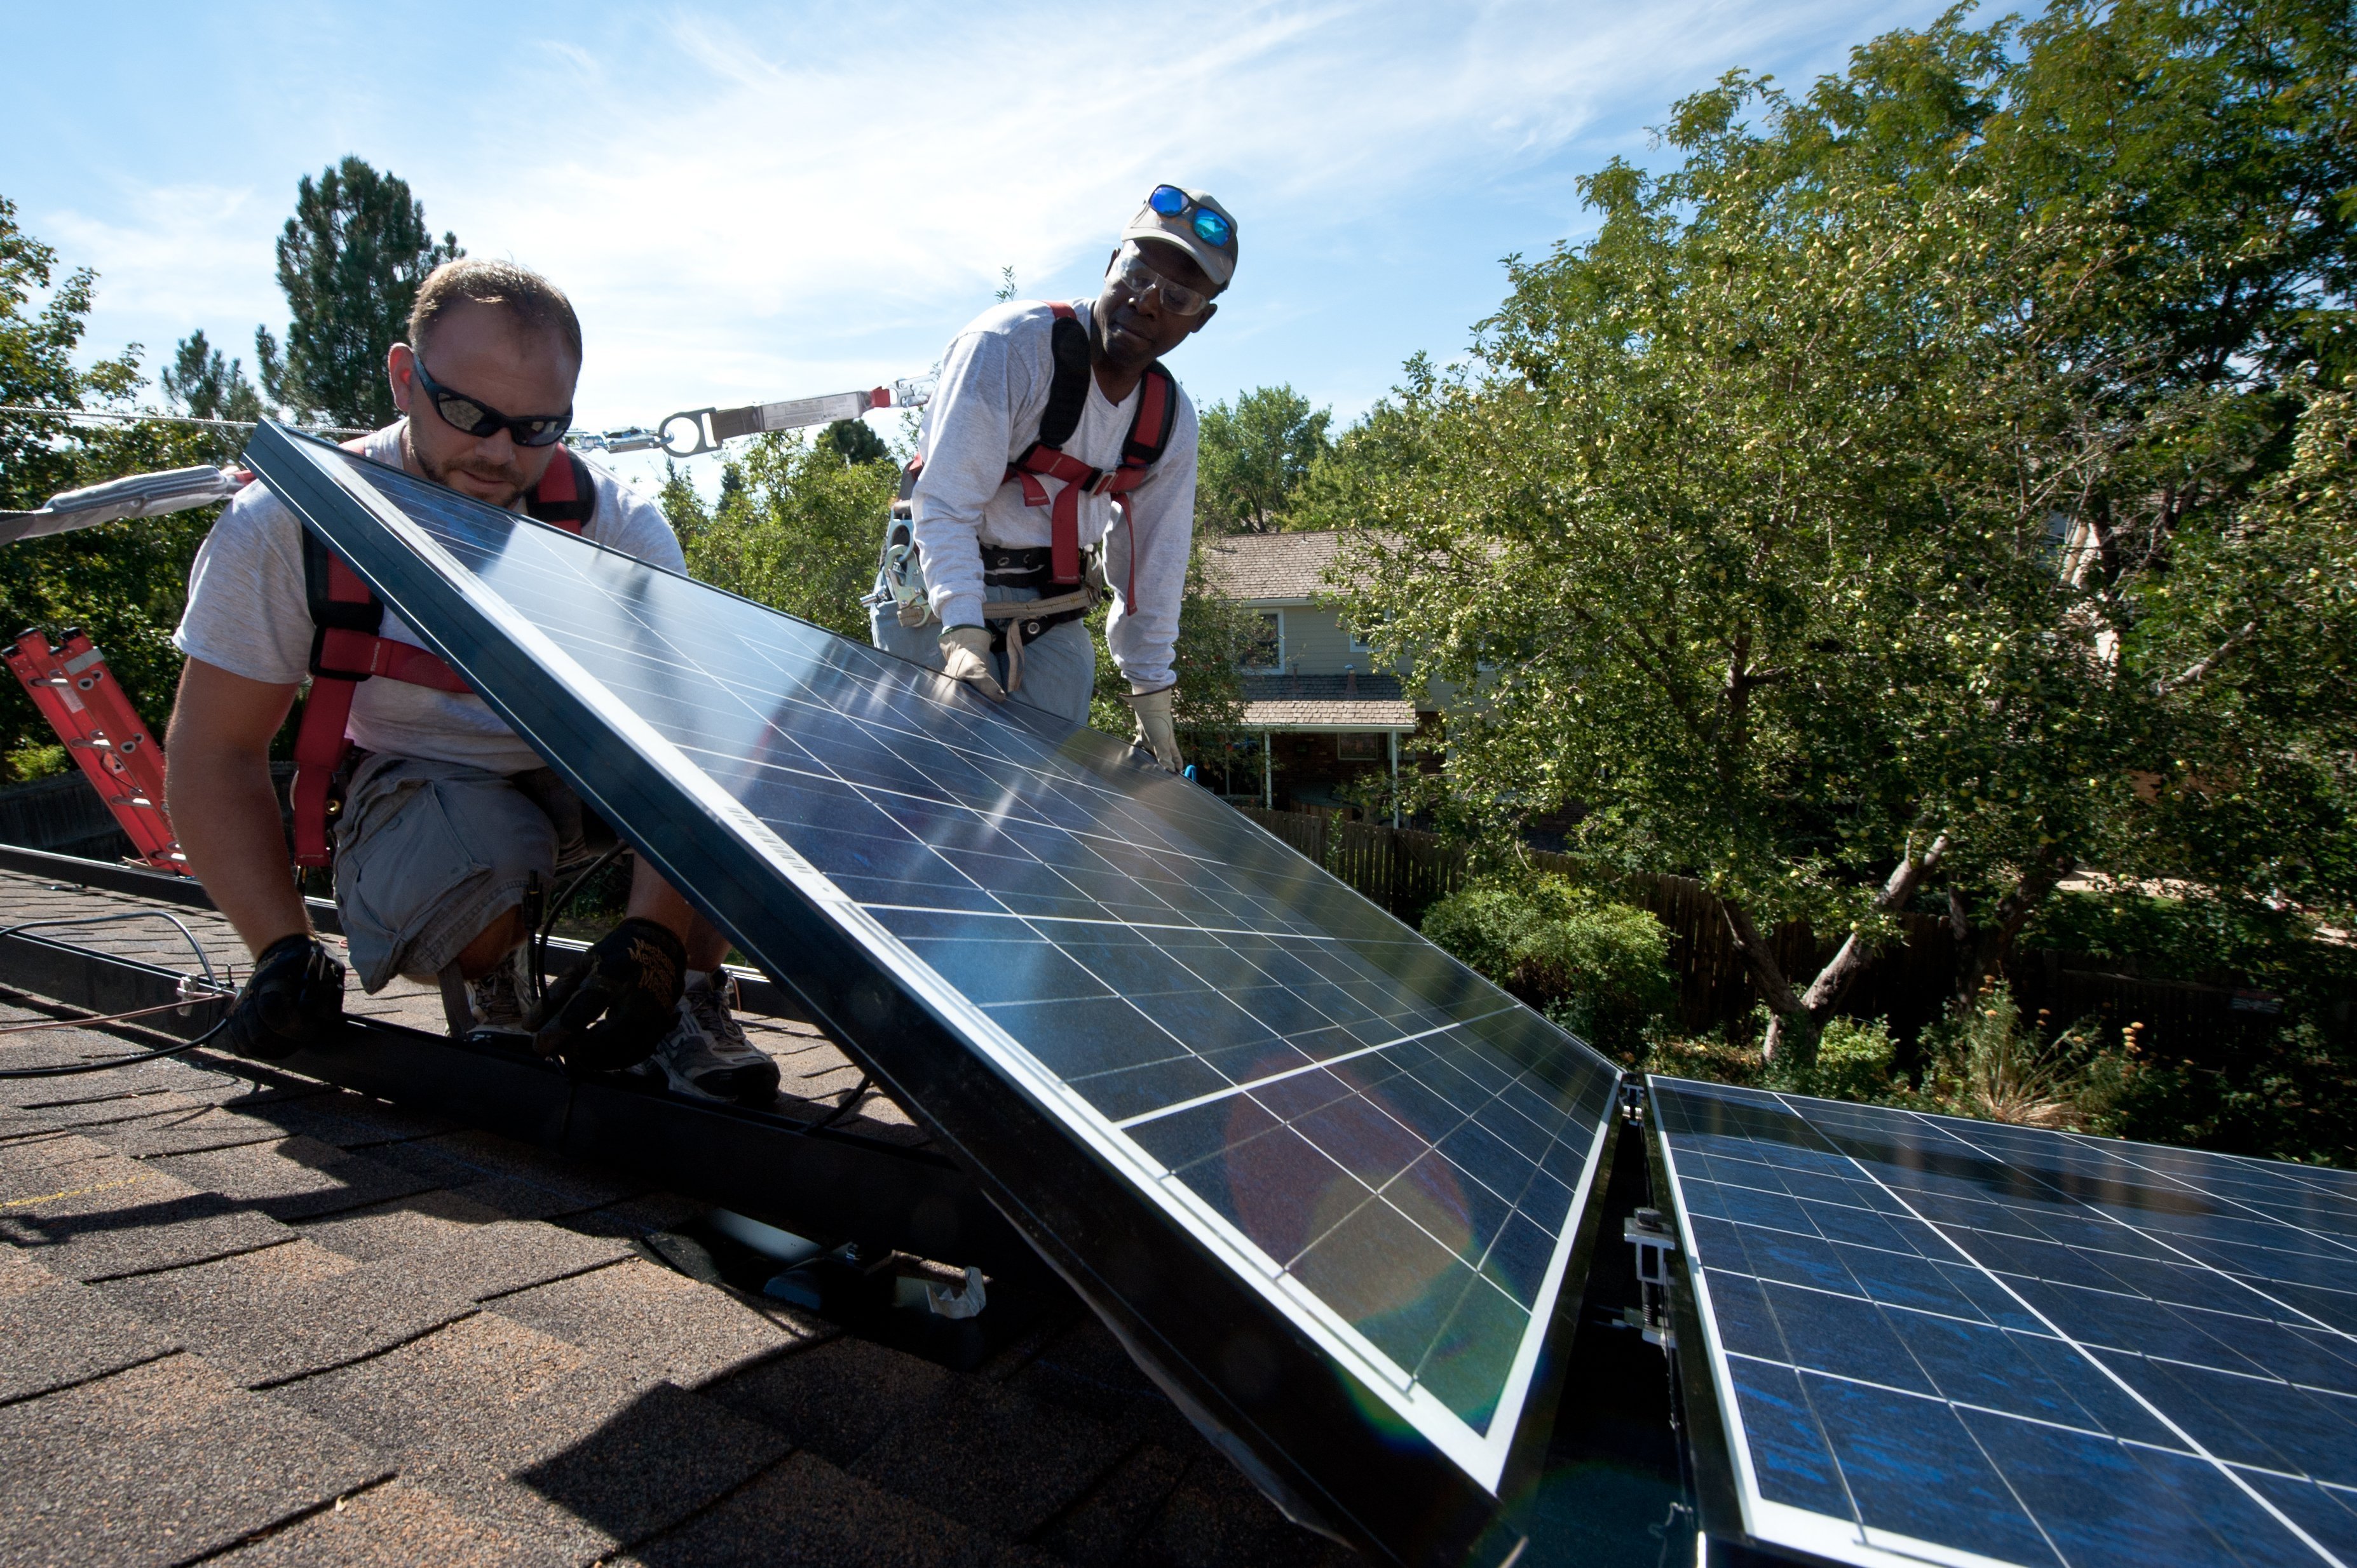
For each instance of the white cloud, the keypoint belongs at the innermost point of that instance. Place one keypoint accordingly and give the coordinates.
(756, 207)
(176, 253)
(752, 202)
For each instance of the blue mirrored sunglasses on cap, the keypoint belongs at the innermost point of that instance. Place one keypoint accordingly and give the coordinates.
(1209, 226)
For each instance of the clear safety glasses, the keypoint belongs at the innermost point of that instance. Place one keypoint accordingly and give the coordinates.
(1141, 279)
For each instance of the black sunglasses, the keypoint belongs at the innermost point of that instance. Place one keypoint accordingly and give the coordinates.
(473, 416)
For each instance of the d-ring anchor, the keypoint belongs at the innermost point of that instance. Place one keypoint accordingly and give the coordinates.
(699, 424)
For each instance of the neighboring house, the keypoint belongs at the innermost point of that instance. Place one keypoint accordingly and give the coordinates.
(1318, 712)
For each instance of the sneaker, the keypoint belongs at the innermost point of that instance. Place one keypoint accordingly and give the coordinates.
(499, 1000)
(707, 1056)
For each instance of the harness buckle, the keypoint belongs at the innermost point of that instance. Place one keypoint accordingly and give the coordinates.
(320, 668)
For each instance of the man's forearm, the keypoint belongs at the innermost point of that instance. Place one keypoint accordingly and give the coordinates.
(226, 814)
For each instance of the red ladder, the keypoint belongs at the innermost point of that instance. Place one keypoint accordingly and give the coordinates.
(83, 702)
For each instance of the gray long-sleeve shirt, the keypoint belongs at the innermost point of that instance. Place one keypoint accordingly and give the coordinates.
(994, 388)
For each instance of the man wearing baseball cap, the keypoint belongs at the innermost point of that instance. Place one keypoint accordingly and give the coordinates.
(1055, 464)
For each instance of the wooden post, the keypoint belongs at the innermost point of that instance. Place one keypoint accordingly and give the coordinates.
(1393, 738)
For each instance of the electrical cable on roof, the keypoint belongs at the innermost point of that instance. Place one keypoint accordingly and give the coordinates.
(112, 1062)
(548, 922)
(867, 1081)
(101, 1018)
(203, 960)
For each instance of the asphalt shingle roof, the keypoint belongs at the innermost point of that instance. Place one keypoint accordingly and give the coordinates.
(1292, 702)
(324, 1330)
(1270, 565)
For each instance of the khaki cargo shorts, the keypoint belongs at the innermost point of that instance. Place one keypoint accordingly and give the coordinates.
(428, 854)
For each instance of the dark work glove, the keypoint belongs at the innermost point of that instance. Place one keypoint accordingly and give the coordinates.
(294, 998)
(614, 1007)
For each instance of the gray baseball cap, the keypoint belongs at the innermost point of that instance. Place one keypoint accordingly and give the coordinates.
(1183, 225)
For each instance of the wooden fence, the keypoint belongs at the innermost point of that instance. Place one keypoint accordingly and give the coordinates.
(1908, 983)
(64, 815)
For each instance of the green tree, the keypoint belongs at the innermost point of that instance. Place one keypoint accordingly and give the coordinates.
(1254, 455)
(1812, 516)
(123, 582)
(1340, 490)
(2252, 637)
(796, 527)
(855, 442)
(349, 262)
(200, 381)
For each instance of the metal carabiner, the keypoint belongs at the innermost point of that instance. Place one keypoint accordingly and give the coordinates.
(903, 578)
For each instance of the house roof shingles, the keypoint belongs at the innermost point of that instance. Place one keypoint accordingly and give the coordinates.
(1270, 566)
(1327, 701)
(287, 1324)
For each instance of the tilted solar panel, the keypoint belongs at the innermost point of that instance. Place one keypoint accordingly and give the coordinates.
(1325, 1181)
(1954, 1341)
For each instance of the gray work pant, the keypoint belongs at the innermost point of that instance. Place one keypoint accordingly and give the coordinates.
(1059, 667)
(429, 854)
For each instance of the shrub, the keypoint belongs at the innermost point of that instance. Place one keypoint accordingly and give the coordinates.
(1483, 925)
(1983, 1064)
(32, 760)
(1596, 968)
(1855, 1061)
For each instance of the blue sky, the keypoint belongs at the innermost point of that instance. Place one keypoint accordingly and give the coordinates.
(750, 202)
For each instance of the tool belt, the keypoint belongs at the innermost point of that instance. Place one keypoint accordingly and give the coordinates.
(1005, 566)
(1010, 622)
(1019, 621)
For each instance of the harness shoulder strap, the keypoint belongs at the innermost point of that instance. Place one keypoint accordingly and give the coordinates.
(338, 598)
(1156, 416)
(566, 495)
(1068, 393)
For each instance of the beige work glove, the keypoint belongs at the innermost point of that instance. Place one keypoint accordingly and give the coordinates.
(1154, 730)
(966, 656)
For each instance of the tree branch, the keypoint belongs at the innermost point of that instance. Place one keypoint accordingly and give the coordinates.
(2194, 672)
(1766, 972)
(1856, 954)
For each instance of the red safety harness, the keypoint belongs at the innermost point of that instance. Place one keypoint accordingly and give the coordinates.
(1045, 458)
(347, 651)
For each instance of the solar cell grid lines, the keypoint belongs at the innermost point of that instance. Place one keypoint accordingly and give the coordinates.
(1960, 1341)
(1392, 1153)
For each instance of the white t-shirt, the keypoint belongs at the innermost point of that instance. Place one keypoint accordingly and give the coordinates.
(248, 614)
(994, 387)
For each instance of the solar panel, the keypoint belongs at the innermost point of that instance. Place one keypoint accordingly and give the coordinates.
(1324, 1180)
(1956, 1341)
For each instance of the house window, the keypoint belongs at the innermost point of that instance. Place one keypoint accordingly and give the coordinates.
(1360, 747)
(1265, 650)
(1358, 644)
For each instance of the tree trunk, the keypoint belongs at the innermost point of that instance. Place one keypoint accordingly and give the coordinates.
(1979, 952)
(1768, 976)
(1817, 1004)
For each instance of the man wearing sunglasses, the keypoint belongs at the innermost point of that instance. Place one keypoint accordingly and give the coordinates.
(1016, 502)
(447, 819)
